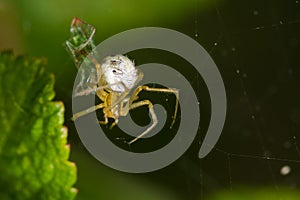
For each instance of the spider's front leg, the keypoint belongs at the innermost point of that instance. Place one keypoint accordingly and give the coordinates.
(87, 111)
(101, 105)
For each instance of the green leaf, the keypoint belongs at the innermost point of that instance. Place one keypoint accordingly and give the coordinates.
(33, 152)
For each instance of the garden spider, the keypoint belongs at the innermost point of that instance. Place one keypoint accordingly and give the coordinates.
(117, 77)
(112, 80)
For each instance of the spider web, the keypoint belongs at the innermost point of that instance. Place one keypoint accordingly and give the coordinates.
(255, 44)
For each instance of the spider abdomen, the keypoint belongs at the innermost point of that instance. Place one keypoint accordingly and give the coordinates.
(119, 73)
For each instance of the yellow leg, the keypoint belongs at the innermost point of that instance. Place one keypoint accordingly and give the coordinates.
(153, 116)
(105, 120)
(114, 123)
(87, 111)
(165, 90)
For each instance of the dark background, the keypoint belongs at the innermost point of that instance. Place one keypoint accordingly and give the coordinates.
(256, 46)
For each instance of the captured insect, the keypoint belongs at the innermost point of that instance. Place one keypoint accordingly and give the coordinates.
(112, 80)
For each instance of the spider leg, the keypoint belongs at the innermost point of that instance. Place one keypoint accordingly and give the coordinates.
(114, 123)
(123, 111)
(105, 120)
(165, 90)
(117, 101)
(153, 116)
(87, 111)
(106, 109)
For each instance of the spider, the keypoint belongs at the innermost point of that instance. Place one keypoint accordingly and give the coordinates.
(112, 80)
(116, 77)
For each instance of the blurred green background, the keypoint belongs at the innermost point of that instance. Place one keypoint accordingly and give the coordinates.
(255, 44)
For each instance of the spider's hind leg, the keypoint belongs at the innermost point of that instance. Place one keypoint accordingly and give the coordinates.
(153, 116)
(164, 90)
(114, 123)
(104, 122)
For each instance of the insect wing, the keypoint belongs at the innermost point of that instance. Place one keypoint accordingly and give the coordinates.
(87, 79)
(81, 43)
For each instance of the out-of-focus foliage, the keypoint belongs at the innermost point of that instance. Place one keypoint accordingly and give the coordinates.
(33, 150)
(44, 25)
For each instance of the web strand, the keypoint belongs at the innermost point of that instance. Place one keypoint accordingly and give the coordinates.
(242, 79)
